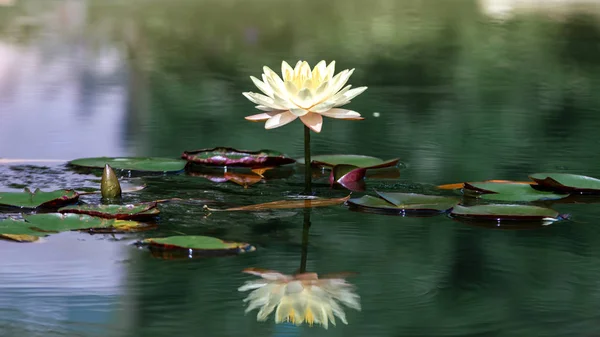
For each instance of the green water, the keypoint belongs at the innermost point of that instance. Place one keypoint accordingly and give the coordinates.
(462, 91)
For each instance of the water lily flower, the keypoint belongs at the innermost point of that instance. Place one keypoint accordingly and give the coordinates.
(299, 298)
(305, 93)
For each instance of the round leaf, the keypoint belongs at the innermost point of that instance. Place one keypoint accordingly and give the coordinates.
(513, 192)
(141, 164)
(566, 182)
(120, 212)
(505, 212)
(225, 156)
(200, 245)
(57, 222)
(16, 230)
(347, 159)
(38, 198)
(400, 203)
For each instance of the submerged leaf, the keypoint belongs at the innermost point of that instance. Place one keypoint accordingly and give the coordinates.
(286, 204)
(515, 192)
(498, 212)
(566, 182)
(38, 198)
(140, 164)
(226, 156)
(198, 245)
(401, 203)
(244, 180)
(110, 187)
(120, 212)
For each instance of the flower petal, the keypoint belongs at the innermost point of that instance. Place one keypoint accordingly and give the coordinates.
(287, 72)
(264, 87)
(346, 96)
(298, 111)
(262, 116)
(340, 80)
(280, 120)
(263, 100)
(323, 107)
(319, 71)
(313, 120)
(342, 114)
(330, 71)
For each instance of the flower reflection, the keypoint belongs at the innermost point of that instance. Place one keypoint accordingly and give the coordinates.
(300, 298)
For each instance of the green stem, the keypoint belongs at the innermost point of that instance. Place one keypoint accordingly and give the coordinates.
(305, 229)
(307, 166)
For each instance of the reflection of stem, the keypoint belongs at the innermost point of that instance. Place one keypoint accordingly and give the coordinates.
(305, 230)
(307, 166)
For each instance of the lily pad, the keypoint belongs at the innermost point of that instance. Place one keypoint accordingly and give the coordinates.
(226, 156)
(58, 222)
(18, 230)
(513, 192)
(506, 212)
(38, 198)
(140, 164)
(402, 203)
(198, 245)
(349, 159)
(457, 186)
(287, 204)
(119, 212)
(346, 173)
(566, 182)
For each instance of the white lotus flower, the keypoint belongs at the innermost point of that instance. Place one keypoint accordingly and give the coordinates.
(303, 93)
(299, 298)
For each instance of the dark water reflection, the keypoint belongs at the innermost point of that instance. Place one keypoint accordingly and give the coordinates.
(464, 90)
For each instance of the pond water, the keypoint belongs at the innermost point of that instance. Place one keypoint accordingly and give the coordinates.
(458, 90)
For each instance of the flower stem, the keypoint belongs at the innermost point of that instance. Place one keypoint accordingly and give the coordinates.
(307, 166)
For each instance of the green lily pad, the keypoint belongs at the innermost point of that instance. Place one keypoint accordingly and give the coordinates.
(18, 230)
(58, 222)
(198, 245)
(505, 212)
(119, 212)
(566, 182)
(512, 192)
(348, 159)
(38, 198)
(226, 156)
(140, 164)
(401, 203)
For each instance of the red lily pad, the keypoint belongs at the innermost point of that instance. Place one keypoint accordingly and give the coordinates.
(226, 156)
(567, 183)
(38, 198)
(506, 212)
(119, 212)
(346, 173)
(329, 161)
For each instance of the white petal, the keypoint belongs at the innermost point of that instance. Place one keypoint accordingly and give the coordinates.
(263, 100)
(267, 109)
(261, 117)
(280, 120)
(330, 71)
(287, 72)
(252, 285)
(298, 111)
(319, 71)
(313, 120)
(323, 107)
(344, 76)
(342, 114)
(291, 89)
(346, 96)
(304, 98)
(262, 86)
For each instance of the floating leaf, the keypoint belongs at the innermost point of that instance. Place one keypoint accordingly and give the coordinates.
(286, 204)
(120, 212)
(457, 186)
(140, 164)
(508, 191)
(566, 182)
(38, 198)
(401, 203)
(244, 180)
(110, 187)
(17, 230)
(226, 156)
(349, 159)
(58, 222)
(345, 173)
(498, 212)
(198, 245)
